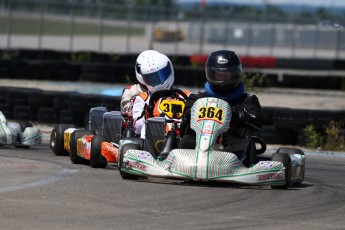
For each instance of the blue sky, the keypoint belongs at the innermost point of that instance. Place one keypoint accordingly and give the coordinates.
(328, 3)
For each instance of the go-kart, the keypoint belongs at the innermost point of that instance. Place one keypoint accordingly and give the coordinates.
(209, 118)
(101, 149)
(97, 144)
(162, 131)
(19, 134)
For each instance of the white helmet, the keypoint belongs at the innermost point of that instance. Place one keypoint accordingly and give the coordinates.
(157, 72)
(142, 55)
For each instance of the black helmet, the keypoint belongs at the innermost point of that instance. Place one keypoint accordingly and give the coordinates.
(223, 70)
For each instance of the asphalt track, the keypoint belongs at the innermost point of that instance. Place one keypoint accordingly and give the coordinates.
(39, 190)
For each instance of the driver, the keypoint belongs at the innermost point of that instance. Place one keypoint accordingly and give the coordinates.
(140, 86)
(223, 73)
(158, 74)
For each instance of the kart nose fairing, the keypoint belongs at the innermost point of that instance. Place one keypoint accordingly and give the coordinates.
(209, 118)
(198, 165)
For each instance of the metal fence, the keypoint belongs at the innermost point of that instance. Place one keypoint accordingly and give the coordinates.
(124, 28)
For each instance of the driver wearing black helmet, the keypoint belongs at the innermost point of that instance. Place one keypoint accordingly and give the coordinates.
(223, 73)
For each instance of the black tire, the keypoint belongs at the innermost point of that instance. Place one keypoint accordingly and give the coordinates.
(124, 149)
(6, 110)
(97, 160)
(267, 115)
(111, 102)
(291, 151)
(3, 92)
(57, 139)
(62, 99)
(19, 96)
(73, 145)
(24, 113)
(137, 140)
(84, 102)
(47, 115)
(41, 99)
(286, 160)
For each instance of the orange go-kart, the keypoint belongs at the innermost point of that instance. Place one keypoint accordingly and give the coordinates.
(98, 143)
(101, 147)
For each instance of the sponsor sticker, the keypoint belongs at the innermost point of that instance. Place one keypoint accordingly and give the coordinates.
(143, 155)
(132, 164)
(222, 60)
(266, 164)
(270, 176)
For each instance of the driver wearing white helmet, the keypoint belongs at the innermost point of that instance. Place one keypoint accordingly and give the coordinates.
(140, 86)
(158, 74)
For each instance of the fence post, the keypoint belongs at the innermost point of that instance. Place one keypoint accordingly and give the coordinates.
(316, 42)
(9, 25)
(41, 24)
(202, 28)
(338, 43)
(101, 24)
(129, 7)
(72, 25)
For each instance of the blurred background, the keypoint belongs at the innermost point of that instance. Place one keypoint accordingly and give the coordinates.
(279, 28)
(59, 58)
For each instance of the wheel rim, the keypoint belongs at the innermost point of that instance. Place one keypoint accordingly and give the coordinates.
(53, 139)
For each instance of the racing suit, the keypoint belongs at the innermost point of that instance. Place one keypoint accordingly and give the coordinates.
(127, 95)
(246, 119)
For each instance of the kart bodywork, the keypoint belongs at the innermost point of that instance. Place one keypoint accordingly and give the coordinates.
(209, 118)
(97, 144)
(19, 134)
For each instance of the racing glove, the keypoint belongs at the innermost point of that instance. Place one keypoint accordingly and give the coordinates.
(148, 111)
(245, 118)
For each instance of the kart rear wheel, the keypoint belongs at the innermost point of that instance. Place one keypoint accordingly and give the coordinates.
(286, 160)
(73, 145)
(57, 139)
(97, 160)
(124, 149)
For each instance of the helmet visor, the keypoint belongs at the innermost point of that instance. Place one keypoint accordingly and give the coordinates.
(225, 75)
(159, 77)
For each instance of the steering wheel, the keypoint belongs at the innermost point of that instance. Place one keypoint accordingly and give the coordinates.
(161, 93)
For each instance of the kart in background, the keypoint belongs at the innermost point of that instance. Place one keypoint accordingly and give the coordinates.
(209, 118)
(101, 149)
(98, 144)
(19, 134)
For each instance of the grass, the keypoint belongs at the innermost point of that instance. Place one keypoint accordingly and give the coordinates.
(30, 26)
(331, 138)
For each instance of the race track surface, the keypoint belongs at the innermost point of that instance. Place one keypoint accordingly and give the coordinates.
(39, 190)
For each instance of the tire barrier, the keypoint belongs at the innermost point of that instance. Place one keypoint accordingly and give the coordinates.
(186, 76)
(24, 113)
(189, 69)
(47, 115)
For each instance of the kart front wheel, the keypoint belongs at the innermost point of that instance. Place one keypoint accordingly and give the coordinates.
(97, 160)
(57, 139)
(294, 151)
(286, 160)
(124, 149)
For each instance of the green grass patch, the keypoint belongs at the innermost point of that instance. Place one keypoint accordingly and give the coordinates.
(31, 26)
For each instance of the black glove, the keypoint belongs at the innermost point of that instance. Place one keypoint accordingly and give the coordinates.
(148, 111)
